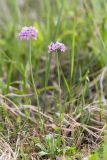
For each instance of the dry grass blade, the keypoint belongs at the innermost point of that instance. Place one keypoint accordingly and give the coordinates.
(6, 152)
(33, 108)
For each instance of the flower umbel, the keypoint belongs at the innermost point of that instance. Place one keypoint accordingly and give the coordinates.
(57, 46)
(28, 32)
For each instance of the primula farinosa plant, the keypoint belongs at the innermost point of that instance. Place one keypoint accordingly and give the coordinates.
(56, 48)
(28, 33)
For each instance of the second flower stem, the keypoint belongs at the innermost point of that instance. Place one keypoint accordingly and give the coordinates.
(59, 85)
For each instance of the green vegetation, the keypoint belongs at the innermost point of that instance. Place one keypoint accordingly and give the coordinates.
(53, 106)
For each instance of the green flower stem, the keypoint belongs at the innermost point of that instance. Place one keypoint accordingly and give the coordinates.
(31, 72)
(59, 84)
(35, 89)
(58, 70)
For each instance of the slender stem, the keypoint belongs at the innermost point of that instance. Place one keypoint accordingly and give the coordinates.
(59, 84)
(34, 87)
(31, 72)
(58, 70)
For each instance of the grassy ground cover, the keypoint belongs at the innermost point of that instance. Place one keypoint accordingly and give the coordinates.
(53, 107)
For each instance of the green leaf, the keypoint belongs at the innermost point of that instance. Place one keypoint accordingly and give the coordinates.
(42, 153)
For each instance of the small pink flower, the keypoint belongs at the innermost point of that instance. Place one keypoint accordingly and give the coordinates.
(57, 46)
(28, 32)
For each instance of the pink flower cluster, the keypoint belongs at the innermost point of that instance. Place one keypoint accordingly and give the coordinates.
(28, 32)
(57, 46)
